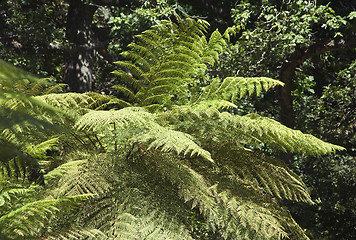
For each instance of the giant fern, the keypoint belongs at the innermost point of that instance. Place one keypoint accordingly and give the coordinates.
(174, 153)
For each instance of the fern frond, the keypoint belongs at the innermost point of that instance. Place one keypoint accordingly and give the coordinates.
(130, 117)
(28, 219)
(234, 88)
(39, 151)
(254, 130)
(125, 91)
(269, 174)
(14, 123)
(145, 51)
(214, 47)
(75, 101)
(168, 140)
(54, 89)
(62, 169)
(78, 181)
(276, 135)
(168, 54)
(76, 234)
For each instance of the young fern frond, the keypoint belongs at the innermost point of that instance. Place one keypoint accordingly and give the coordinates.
(168, 55)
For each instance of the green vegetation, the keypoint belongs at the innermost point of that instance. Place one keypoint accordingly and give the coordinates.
(146, 123)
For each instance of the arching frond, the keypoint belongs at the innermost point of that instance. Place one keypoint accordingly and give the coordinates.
(234, 88)
(168, 140)
(39, 151)
(265, 130)
(253, 129)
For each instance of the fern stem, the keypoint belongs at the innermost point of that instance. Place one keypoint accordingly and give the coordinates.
(79, 140)
(96, 147)
(115, 137)
(101, 145)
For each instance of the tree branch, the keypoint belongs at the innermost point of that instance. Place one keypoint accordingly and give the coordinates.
(116, 3)
(296, 59)
(302, 54)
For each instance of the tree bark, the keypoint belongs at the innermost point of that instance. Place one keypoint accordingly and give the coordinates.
(296, 59)
(80, 57)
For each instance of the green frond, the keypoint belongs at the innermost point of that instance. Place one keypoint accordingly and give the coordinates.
(148, 41)
(11, 195)
(146, 52)
(76, 234)
(75, 101)
(191, 186)
(114, 103)
(15, 123)
(276, 135)
(168, 54)
(160, 88)
(138, 59)
(62, 169)
(230, 31)
(78, 181)
(252, 129)
(128, 80)
(133, 68)
(234, 88)
(39, 151)
(268, 173)
(54, 89)
(27, 220)
(171, 73)
(155, 99)
(127, 117)
(168, 140)
(215, 46)
(125, 91)
(250, 221)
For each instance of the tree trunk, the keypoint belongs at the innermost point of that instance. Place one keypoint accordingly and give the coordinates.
(80, 57)
(287, 112)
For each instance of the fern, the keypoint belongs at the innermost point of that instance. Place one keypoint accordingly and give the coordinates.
(28, 219)
(164, 62)
(144, 170)
(234, 88)
(76, 234)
